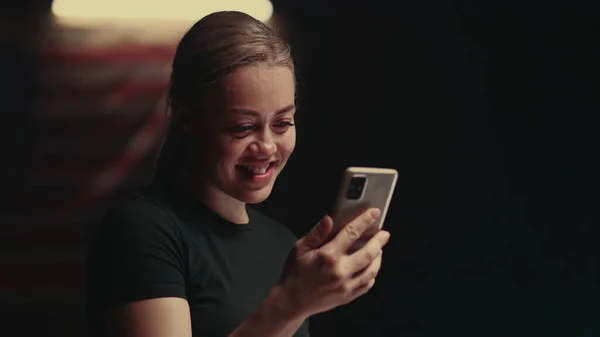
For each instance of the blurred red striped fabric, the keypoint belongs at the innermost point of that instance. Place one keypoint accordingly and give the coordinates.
(100, 114)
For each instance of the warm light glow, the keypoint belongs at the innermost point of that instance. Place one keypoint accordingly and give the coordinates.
(172, 10)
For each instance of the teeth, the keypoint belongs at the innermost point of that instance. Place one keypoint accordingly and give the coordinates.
(257, 169)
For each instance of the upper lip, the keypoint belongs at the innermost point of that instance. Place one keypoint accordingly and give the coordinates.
(258, 163)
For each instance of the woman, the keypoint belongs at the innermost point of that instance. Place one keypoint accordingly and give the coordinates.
(185, 256)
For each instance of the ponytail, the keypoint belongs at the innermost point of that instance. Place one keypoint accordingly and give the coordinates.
(174, 154)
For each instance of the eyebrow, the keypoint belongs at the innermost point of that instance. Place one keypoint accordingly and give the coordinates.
(256, 113)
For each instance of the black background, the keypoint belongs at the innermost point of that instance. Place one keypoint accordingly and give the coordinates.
(487, 110)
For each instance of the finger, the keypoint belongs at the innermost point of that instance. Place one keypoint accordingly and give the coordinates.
(357, 274)
(369, 273)
(317, 235)
(363, 257)
(354, 230)
(363, 289)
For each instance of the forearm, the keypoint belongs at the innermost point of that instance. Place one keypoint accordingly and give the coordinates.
(274, 317)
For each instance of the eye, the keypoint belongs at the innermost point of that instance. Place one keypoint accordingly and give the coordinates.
(242, 128)
(241, 131)
(283, 124)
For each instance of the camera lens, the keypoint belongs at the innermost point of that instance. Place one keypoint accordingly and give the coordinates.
(355, 188)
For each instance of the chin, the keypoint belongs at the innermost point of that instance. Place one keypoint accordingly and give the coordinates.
(255, 197)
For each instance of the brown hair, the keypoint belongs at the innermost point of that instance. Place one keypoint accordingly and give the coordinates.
(212, 48)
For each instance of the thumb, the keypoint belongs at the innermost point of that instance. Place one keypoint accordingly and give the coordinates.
(317, 234)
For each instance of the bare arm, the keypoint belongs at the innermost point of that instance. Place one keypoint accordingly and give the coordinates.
(158, 317)
(170, 316)
(274, 317)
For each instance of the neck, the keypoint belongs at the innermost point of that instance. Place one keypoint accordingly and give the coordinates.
(228, 207)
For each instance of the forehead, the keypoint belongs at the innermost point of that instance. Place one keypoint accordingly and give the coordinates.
(261, 88)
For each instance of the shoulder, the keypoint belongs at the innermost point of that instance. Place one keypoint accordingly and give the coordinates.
(135, 232)
(145, 210)
(137, 252)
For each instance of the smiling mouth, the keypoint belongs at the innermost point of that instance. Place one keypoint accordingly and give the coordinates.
(258, 169)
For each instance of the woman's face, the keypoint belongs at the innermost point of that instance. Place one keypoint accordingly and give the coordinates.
(251, 133)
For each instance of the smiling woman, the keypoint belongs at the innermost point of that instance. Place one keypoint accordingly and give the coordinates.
(254, 137)
(187, 255)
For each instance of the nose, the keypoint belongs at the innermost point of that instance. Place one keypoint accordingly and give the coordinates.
(264, 145)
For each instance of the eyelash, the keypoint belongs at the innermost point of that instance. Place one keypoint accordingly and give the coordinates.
(246, 128)
(283, 124)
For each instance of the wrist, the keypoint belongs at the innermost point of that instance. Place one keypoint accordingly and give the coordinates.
(276, 316)
(285, 303)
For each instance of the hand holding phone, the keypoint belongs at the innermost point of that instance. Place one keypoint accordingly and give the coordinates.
(362, 188)
(320, 274)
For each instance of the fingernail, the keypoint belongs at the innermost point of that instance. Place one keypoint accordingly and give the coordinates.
(322, 226)
(386, 236)
(375, 213)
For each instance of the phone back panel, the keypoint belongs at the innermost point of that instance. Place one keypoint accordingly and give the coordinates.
(377, 192)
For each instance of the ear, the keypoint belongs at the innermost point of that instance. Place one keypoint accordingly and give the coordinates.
(180, 115)
(186, 121)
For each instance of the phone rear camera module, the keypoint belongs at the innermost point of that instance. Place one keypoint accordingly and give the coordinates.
(355, 188)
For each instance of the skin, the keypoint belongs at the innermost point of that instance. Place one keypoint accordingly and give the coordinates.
(253, 110)
(253, 125)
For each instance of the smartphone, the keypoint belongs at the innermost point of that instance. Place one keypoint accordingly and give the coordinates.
(362, 188)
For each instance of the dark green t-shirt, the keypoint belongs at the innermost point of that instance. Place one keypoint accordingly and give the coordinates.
(163, 242)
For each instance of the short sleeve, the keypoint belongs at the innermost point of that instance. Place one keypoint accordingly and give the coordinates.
(136, 254)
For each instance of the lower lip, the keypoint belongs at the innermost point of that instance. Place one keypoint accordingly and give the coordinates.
(260, 178)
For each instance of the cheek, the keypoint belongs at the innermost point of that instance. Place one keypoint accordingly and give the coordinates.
(287, 144)
(231, 151)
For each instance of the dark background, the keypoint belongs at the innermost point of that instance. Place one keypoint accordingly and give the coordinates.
(487, 111)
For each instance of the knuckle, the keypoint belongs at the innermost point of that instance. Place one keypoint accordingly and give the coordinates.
(346, 288)
(352, 233)
(338, 273)
(327, 258)
(373, 273)
(296, 251)
(370, 255)
(297, 246)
